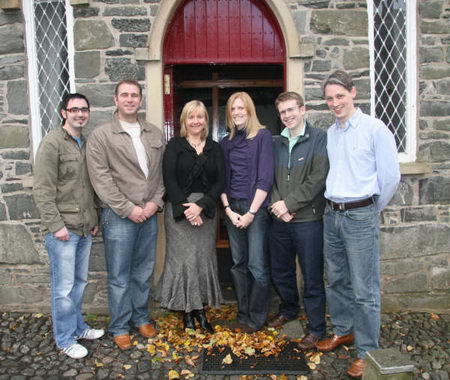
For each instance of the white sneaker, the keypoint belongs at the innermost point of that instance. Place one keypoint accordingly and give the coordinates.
(91, 334)
(75, 351)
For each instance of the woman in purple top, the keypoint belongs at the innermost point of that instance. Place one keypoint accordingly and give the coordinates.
(249, 172)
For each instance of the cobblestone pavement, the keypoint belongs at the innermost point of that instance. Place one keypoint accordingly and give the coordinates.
(27, 351)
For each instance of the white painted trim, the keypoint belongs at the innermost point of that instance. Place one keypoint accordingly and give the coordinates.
(411, 82)
(372, 55)
(33, 90)
(70, 45)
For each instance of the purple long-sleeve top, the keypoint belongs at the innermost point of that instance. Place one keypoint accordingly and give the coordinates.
(260, 166)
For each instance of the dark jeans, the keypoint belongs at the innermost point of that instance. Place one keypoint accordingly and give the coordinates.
(304, 240)
(250, 270)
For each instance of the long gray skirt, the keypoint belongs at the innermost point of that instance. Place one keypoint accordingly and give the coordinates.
(190, 279)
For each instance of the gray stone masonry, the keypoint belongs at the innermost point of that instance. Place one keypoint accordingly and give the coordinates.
(415, 243)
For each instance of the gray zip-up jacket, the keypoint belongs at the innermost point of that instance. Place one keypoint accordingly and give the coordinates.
(300, 176)
(61, 189)
(114, 168)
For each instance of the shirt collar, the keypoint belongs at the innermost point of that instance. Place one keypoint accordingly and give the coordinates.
(352, 122)
(285, 132)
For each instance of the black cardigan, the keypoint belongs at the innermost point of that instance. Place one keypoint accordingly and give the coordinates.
(186, 172)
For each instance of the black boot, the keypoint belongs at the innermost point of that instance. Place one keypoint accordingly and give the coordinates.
(188, 320)
(200, 316)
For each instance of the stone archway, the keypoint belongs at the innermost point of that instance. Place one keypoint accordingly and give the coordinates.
(153, 54)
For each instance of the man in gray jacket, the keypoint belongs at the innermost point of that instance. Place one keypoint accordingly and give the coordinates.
(125, 165)
(65, 199)
(301, 167)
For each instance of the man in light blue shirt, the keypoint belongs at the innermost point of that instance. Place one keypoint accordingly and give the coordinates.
(364, 174)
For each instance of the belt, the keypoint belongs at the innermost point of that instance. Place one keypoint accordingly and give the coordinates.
(350, 205)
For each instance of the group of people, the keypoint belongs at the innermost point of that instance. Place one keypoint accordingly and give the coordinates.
(306, 194)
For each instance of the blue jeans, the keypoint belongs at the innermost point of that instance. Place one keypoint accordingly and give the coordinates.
(304, 240)
(352, 261)
(69, 263)
(250, 271)
(130, 250)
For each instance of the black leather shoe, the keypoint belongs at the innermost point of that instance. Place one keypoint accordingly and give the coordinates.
(200, 316)
(188, 321)
(279, 320)
(308, 342)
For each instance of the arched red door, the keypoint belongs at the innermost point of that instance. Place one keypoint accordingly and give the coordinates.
(215, 47)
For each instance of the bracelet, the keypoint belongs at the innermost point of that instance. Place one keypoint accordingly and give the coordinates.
(225, 207)
(252, 212)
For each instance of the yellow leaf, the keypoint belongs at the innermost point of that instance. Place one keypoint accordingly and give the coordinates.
(190, 331)
(126, 366)
(135, 343)
(227, 359)
(249, 351)
(315, 358)
(311, 365)
(189, 361)
(151, 349)
(435, 317)
(173, 375)
(98, 364)
(302, 377)
(187, 374)
(409, 348)
(38, 315)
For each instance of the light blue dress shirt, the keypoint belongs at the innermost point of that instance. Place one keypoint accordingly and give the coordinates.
(363, 161)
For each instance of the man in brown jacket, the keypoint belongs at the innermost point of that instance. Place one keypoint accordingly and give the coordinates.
(125, 166)
(65, 199)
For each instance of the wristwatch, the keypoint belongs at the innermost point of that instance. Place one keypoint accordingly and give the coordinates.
(252, 212)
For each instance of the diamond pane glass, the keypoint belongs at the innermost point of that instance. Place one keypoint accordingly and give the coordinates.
(390, 66)
(52, 57)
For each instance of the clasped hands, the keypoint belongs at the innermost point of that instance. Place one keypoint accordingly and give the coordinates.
(192, 213)
(238, 220)
(280, 210)
(139, 214)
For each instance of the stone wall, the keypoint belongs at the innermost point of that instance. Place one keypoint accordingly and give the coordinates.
(416, 228)
(415, 239)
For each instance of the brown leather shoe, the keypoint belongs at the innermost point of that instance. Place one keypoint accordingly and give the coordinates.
(308, 341)
(278, 321)
(147, 331)
(335, 341)
(357, 368)
(123, 341)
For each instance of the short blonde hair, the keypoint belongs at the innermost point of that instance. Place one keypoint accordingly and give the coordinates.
(188, 108)
(253, 125)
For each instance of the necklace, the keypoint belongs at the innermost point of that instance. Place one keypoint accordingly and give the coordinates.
(194, 145)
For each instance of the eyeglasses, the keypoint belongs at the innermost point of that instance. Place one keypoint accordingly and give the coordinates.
(289, 110)
(77, 110)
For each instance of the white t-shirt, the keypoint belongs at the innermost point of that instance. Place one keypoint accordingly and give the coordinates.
(134, 130)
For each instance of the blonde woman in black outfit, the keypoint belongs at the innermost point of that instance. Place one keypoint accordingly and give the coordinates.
(194, 179)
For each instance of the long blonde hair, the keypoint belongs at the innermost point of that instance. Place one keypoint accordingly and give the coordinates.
(253, 125)
(188, 108)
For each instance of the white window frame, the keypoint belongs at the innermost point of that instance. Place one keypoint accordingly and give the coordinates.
(33, 85)
(411, 72)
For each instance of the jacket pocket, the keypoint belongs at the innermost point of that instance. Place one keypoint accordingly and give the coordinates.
(69, 166)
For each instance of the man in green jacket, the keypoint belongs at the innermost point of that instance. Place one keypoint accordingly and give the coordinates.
(65, 199)
(301, 167)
